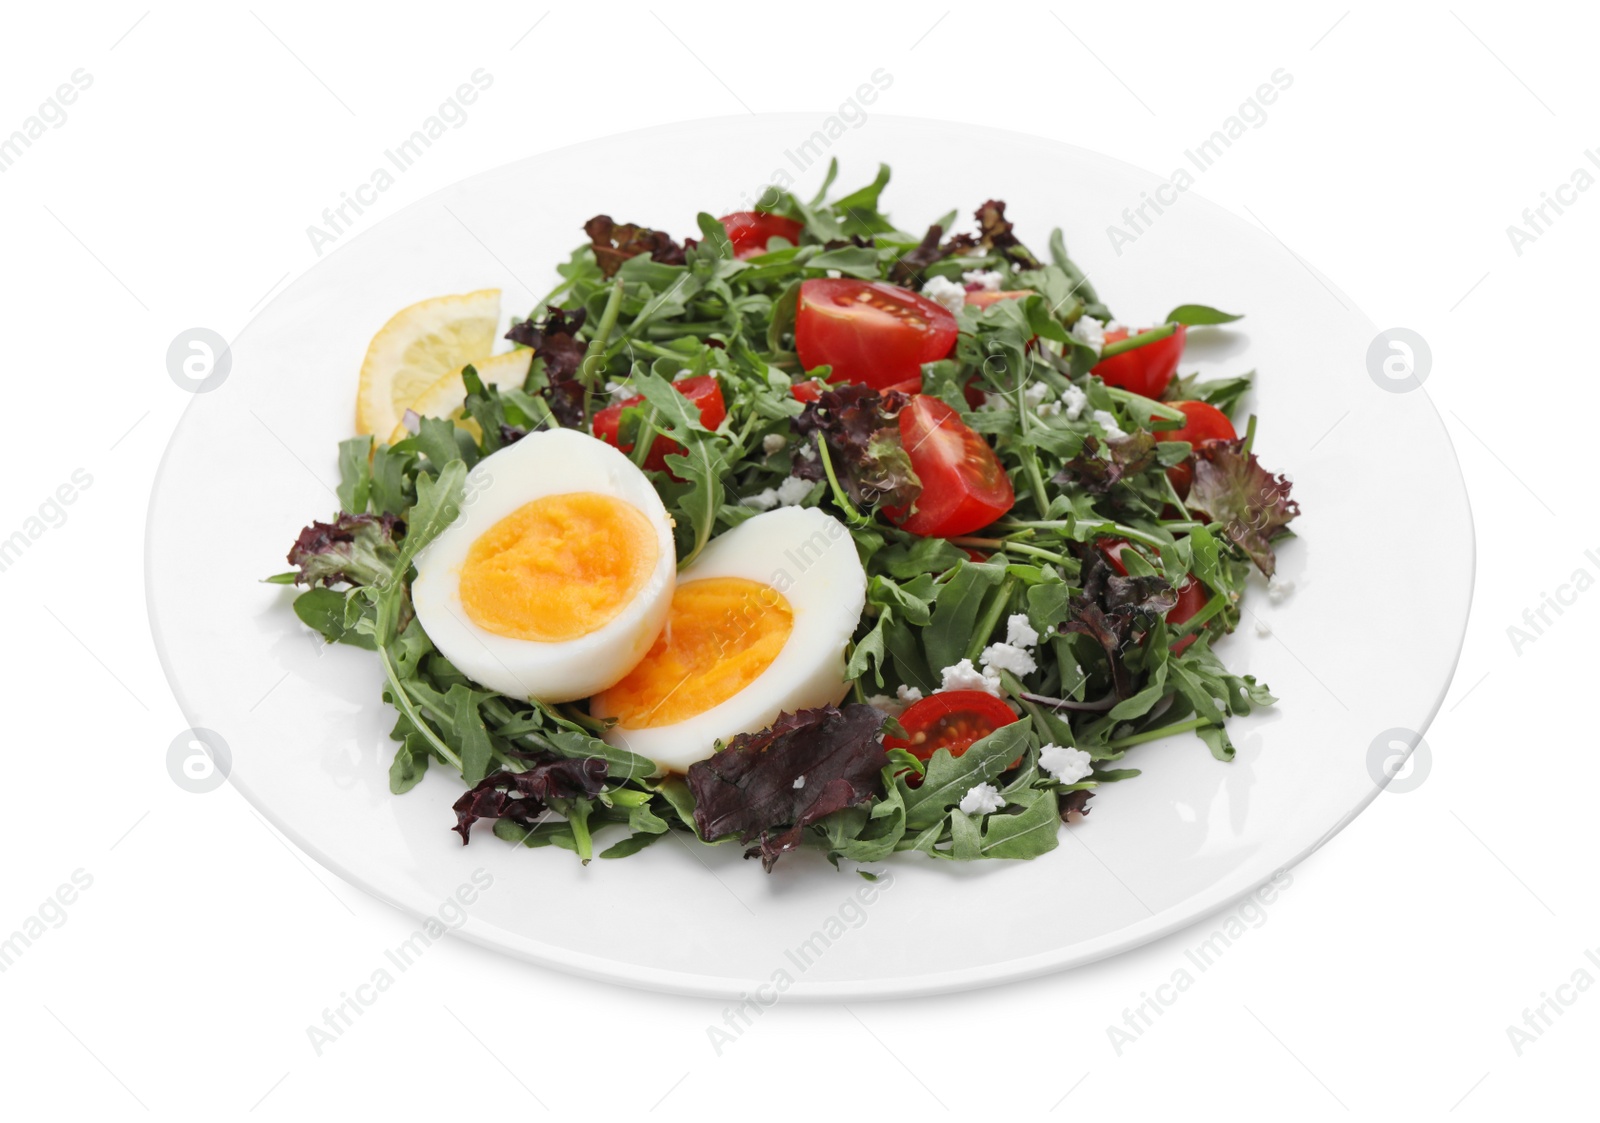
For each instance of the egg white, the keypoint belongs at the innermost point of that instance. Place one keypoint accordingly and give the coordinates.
(552, 462)
(810, 558)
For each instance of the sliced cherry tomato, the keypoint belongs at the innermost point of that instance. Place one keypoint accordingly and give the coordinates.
(703, 391)
(1145, 370)
(749, 231)
(1192, 595)
(870, 332)
(963, 484)
(982, 298)
(954, 720)
(910, 387)
(1206, 423)
(808, 391)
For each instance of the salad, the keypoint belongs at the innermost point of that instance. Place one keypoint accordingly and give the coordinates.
(806, 532)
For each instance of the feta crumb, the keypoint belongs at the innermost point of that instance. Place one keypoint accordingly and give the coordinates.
(1279, 588)
(834, 273)
(986, 279)
(1075, 400)
(616, 390)
(761, 500)
(1019, 632)
(999, 657)
(773, 442)
(909, 694)
(682, 374)
(993, 401)
(806, 452)
(1067, 765)
(945, 291)
(964, 676)
(1049, 409)
(792, 490)
(1091, 331)
(1107, 422)
(1036, 393)
(1263, 629)
(982, 799)
(799, 782)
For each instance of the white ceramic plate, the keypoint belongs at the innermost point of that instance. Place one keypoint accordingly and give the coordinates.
(1358, 648)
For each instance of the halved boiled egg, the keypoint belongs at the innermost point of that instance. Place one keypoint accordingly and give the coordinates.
(758, 627)
(559, 573)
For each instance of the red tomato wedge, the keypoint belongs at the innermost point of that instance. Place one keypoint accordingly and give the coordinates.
(954, 720)
(982, 298)
(703, 391)
(1192, 595)
(870, 332)
(1145, 370)
(964, 486)
(808, 391)
(750, 230)
(1206, 423)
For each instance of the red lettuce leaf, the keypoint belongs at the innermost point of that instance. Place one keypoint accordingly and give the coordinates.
(863, 445)
(1127, 456)
(1114, 610)
(524, 796)
(555, 342)
(1231, 487)
(770, 786)
(354, 549)
(615, 242)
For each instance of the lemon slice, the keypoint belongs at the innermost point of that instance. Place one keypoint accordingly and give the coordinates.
(444, 398)
(419, 346)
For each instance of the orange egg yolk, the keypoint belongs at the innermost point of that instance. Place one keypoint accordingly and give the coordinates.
(721, 633)
(558, 568)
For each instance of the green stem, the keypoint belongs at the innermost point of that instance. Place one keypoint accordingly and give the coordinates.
(594, 355)
(1139, 340)
(839, 496)
(404, 703)
(1159, 734)
(1249, 435)
(991, 619)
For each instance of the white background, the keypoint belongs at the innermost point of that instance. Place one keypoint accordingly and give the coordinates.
(178, 193)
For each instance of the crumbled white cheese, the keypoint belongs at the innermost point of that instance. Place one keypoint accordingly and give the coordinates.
(792, 490)
(761, 500)
(999, 657)
(1091, 331)
(1066, 765)
(982, 799)
(773, 442)
(964, 676)
(1036, 393)
(799, 782)
(944, 291)
(883, 703)
(1107, 422)
(986, 279)
(993, 401)
(909, 694)
(616, 390)
(1263, 629)
(806, 452)
(1075, 400)
(1048, 409)
(1019, 632)
(1279, 588)
(834, 273)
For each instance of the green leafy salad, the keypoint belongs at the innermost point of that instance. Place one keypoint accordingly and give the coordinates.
(803, 533)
